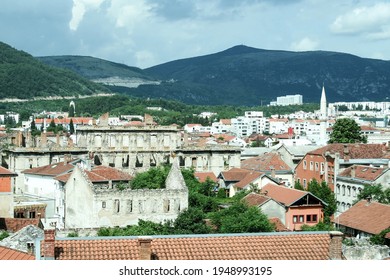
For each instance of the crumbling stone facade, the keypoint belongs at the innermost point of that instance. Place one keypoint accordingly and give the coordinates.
(91, 206)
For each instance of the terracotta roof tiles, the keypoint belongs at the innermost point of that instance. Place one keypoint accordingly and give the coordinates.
(265, 162)
(4, 172)
(354, 151)
(371, 217)
(12, 254)
(285, 195)
(53, 170)
(270, 246)
(202, 176)
(363, 172)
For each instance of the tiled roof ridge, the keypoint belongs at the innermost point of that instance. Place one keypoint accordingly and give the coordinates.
(85, 175)
(213, 235)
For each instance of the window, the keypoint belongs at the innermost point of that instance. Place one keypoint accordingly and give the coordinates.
(297, 219)
(103, 204)
(311, 165)
(322, 167)
(311, 218)
(31, 215)
(316, 166)
(129, 206)
(116, 206)
(304, 183)
(166, 205)
(304, 164)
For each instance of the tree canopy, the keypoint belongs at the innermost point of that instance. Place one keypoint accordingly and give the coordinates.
(374, 192)
(323, 192)
(346, 130)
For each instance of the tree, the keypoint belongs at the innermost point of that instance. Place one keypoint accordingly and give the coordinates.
(191, 221)
(374, 192)
(346, 131)
(240, 218)
(323, 192)
(71, 127)
(71, 110)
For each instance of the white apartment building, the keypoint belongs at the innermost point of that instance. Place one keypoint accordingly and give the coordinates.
(296, 99)
(278, 126)
(244, 127)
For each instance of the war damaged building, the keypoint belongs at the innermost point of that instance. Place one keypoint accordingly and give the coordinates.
(130, 148)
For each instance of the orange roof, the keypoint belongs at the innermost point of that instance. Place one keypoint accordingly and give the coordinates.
(4, 172)
(234, 174)
(265, 162)
(371, 217)
(254, 199)
(249, 178)
(225, 121)
(355, 151)
(100, 174)
(12, 254)
(53, 170)
(285, 195)
(16, 224)
(257, 246)
(202, 176)
(279, 226)
(363, 172)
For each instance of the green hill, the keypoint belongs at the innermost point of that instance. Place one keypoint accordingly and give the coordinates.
(24, 77)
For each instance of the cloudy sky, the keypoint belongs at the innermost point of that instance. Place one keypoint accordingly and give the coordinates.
(144, 33)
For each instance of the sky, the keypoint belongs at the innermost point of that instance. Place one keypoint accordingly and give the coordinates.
(144, 33)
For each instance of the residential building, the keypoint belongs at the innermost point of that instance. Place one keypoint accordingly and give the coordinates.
(6, 193)
(364, 219)
(352, 180)
(301, 207)
(271, 164)
(237, 179)
(295, 99)
(323, 164)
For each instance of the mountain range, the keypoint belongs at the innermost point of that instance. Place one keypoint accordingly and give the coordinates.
(240, 75)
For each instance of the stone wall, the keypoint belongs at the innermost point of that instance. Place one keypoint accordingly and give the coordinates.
(366, 252)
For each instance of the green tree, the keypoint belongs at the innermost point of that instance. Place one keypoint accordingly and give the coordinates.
(379, 239)
(323, 192)
(71, 112)
(191, 221)
(71, 127)
(34, 130)
(240, 218)
(321, 226)
(375, 192)
(346, 130)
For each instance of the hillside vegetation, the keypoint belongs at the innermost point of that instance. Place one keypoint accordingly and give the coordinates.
(24, 77)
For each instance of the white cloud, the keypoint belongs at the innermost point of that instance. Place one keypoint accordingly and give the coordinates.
(363, 20)
(305, 44)
(79, 8)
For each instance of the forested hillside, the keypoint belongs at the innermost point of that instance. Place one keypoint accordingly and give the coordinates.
(24, 77)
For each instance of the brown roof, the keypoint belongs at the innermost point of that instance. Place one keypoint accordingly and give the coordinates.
(202, 176)
(4, 172)
(254, 199)
(16, 224)
(363, 172)
(234, 174)
(354, 151)
(371, 217)
(12, 254)
(265, 162)
(100, 174)
(279, 226)
(285, 195)
(270, 246)
(53, 170)
(249, 178)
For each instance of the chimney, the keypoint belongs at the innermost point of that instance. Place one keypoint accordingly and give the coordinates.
(346, 152)
(353, 171)
(145, 248)
(49, 244)
(273, 174)
(335, 245)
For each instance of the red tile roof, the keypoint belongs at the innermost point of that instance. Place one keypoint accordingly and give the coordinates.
(249, 178)
(265, 162)
(254, 199)
(202, 176)
(285, 195)
(261, 246)
(52, 170)
(368, 217)
(12, 254)
(279, 226)
(234, 174)
(100, 174)
(355, 151)
(363, 172)
(4, 172)
(16, 224)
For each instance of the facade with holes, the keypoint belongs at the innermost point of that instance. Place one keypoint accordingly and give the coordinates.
(90, 205)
